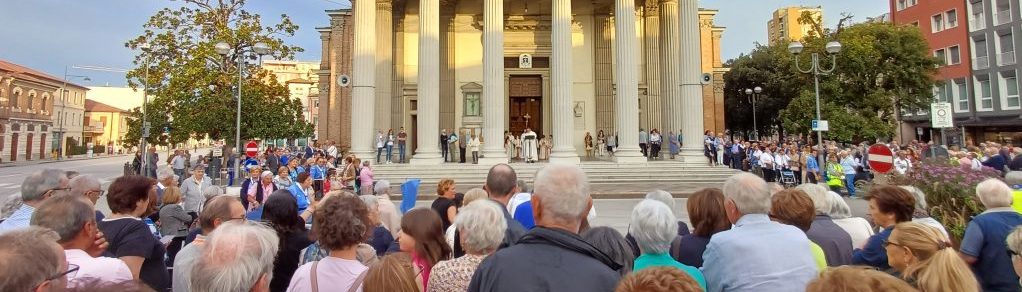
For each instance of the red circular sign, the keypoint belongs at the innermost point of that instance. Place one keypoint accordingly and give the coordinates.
(881, 158)
(251, 149)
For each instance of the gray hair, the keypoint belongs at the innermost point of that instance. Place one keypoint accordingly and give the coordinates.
(372, 203)
(654, 227)
(818, 193)
(65, 214)
(523, 187)
(482, 226)
(749, 193)
(662, 196)
(164, 172)
(235, 256)
(82, 184)
(918, 194)
(266, 173)
(37, 184)
(564, 191)
(211, 192)
(1014, 239)
(994, 193)
(838, 208)
(382, 187)
(30, 256)
(1013, 177)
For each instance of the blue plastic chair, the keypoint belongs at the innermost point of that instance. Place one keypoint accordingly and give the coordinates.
(409, 193)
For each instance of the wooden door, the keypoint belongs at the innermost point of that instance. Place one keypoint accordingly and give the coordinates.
(42, 146)
(14, 146)
(525, 108)
(28, 147)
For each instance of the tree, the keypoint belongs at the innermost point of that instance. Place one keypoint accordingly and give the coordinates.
(768, 67)
(881, 68)
(193, 88)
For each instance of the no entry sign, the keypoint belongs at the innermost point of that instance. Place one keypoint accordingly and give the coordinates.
(251, 149)
(881, 158)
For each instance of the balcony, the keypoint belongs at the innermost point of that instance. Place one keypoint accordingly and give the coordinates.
(1003, 17)
(1006, 58)
(980, 63)
(977, 22)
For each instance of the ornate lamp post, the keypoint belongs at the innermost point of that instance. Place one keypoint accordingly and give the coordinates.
(224, 49)
(833, 48)
(753, 94)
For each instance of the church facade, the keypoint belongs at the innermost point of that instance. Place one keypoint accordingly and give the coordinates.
(483, 67)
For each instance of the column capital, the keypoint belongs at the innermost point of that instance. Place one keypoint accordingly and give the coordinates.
(385, 5)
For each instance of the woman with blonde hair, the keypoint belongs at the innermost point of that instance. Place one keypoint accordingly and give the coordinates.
(174, 221)
(925, 258)
(394, 273)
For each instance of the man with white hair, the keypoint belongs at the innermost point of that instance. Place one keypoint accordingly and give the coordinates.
(34, 189)
(552, 257)
(389, 214)
(72, 217)
(237, 256)
(219, 210)
(88, 187)
(757, 254)
(165, 178)
(832, 239)
(983, 245)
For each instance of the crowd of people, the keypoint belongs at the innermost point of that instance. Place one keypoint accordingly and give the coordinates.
(297, 233)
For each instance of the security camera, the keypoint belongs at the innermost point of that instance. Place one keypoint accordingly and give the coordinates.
(707, 79)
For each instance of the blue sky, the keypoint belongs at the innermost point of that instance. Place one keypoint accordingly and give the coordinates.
(50, 34)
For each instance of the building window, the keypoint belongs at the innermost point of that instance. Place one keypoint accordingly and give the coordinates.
(961, 96)
(937, 23)
(915, 23)
(1006, 48)
(954, 55)
(940, 93)
(981, 61)
(16, 99)
(978, 20)
(951, 19)
(985, 99)
(902, 4)
(941, 55)
(1003, 14)
(1010, 98)
(31, 101)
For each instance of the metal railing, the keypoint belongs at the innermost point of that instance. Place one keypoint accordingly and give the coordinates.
(1003, 17)
(980, 63)
(1006, 58)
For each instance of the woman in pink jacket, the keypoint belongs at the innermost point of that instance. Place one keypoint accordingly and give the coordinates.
(365, 176)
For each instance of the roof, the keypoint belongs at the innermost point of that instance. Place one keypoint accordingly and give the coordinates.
(38, 75)
(95, 106)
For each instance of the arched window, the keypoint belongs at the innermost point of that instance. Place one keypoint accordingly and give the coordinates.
(45, 101)
(16, 98)
(31, 100)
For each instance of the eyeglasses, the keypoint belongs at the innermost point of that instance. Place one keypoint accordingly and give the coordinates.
(56, 189)
(243, 218)
(887, 242)
(72, 270)
(99, 193)
(1011, 252)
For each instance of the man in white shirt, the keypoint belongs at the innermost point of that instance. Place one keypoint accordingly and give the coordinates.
(178, 163)
(767, 163)
(74, 220)
(902, 163)
(34, 189)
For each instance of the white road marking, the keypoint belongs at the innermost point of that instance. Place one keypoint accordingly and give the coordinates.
(881, 158)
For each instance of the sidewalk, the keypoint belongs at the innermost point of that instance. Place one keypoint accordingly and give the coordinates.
(72, 158)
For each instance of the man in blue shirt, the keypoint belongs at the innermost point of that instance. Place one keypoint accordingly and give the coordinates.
(812, 168)
(318, 172)
(34, 189)
(757, 254)
(983, 245)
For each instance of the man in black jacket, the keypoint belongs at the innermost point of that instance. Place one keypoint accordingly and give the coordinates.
(551, 257)
(501, 184)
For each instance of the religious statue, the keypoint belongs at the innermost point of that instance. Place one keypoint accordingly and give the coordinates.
(517, 147)
(544, 147)
(529, 146)
(509, 145)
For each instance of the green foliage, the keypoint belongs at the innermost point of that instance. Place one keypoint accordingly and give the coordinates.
(881, 68)
(193, 89)
(950, 191)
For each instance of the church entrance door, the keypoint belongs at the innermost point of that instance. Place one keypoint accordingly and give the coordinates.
(526, 104)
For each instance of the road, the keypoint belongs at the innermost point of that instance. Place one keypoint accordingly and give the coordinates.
(610, 212)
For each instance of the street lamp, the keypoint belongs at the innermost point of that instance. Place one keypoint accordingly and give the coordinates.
(145, 114)
(63, 105)
(752, 97)
(832, 48)
(224, 49)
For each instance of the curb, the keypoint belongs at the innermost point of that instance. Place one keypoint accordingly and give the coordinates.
(47, 161)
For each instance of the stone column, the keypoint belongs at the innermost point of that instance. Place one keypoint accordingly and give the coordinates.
(670, 74)
(428, 135)
(691, 90)
(384, 66)
(626, 101)
(363, 78)
(560, 68)
(493, 83)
